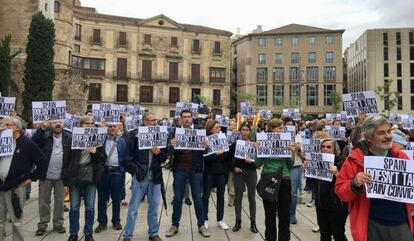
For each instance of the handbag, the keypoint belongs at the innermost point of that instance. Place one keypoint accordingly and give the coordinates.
(85, 175)
(269, 185)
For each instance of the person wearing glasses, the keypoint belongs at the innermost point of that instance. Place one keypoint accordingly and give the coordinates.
(94, 156)
(111, 181)
(331, 212)
(145, 168)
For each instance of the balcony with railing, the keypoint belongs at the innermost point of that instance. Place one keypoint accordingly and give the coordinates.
(96, 41)
(217, 52)
(122, 44)
(195, 50)
(121, 75)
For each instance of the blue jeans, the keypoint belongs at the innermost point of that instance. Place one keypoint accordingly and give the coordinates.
(209, 181)
(138, 191)
(181, 176)
(110, 185)
(89, 193)
(295, 179)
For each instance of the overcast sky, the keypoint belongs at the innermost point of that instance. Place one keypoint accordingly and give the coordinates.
(355, 16)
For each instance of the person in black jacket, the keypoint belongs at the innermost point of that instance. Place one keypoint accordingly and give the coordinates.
(96, 157)
(145, 168)
(216, 169)
(26, 164)
(331, 212)
(55, 145)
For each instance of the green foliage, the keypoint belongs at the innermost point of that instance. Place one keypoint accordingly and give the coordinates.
(390, 98)
(5, 64)
(39, 73)
(336, 99)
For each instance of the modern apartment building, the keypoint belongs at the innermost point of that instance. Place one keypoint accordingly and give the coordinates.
(291, 66)
(381, 55)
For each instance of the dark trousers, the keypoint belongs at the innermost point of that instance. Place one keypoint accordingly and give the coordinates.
(249, 178)
(210, 181)
(331, 223)
(110, 186)
(281, 209)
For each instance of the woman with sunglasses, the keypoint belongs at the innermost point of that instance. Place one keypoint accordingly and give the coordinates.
(244, 174)
(331, 212)
(281, 207)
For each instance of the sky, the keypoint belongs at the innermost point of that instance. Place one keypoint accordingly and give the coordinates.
(355, 16)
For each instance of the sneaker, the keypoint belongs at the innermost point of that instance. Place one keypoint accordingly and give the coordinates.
(315, 229)
(124, 203)
(100, 228)
(155, 238)
(40, 231)
(59, 229)
(188, 202)
(170, 232)
(89, 238)
(65, 209)
(73, 237)
(222, 225)
(203, 231)
(117, 226)
(311, 203)
(206, 224)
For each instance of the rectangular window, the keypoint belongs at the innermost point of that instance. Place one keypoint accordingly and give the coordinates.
(411, 69)
(195, 93)
(122, 39)
(295, 58)
(294, 95)
(278, 58)
(147, 38)
(94, 64)
(196, 46)
(411, 52)
(412, 102)
(217, 75)
(174, 95)
(385, 53)
(261, 74)
(96, 38)
(329, 39)
(146, 94)
(261, 42)
(95, 93)
(399, 70)
(57, 6)
(312, 73)
(78, 31)
(122, 93)
(278, 94)
(311, 40)
(386, 72)
(294, 73)
(327, 90)
(295, 41)
(385, 38)
(312, 95)
(278, 74)
(278, 41)
(77, 62)
(77, 48)
(195, 73)
(217, 97)
(173, 71)
(330, 73)
(329, 57)
(262, 58)
(412, 86)
(174, 42)
(398, 38)
(398, 53)
(399, 85)
(146, 69)
(410, 38)
(400, 102)
(261, 93)
(121, 68)
(311, 57)
(217, 48)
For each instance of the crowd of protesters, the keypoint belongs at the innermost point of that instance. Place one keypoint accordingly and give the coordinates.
(48, 157)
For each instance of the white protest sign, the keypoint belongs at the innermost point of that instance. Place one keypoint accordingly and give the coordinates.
(409, 153)
(245, 149)
(318, 165)
(83, 138)
(135, 110)
(216, 142)
(265, 114)
(70, 121)
(6, 143)
(180, 106)
(408, 122)
(311, 145)
(190, 139)
(292, 113)
(246, 108)
(48, 110)
(360, 102)
(333, 116)
(132, 122)
(233, 136)
(292, 130)
(336, 132)
(392, 178)
(273, 144)
(7, 105)
(410, 147)
(150, 136)
(223, 120)
(107, 112)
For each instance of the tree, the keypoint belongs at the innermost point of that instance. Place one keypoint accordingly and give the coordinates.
(390, 98)
(39, 73)
(5, 63)
(335, 99)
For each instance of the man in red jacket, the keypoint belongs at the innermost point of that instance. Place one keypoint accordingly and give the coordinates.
(373, 219)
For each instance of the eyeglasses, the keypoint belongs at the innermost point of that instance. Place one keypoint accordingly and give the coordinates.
(327, 147)
(112, 126)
